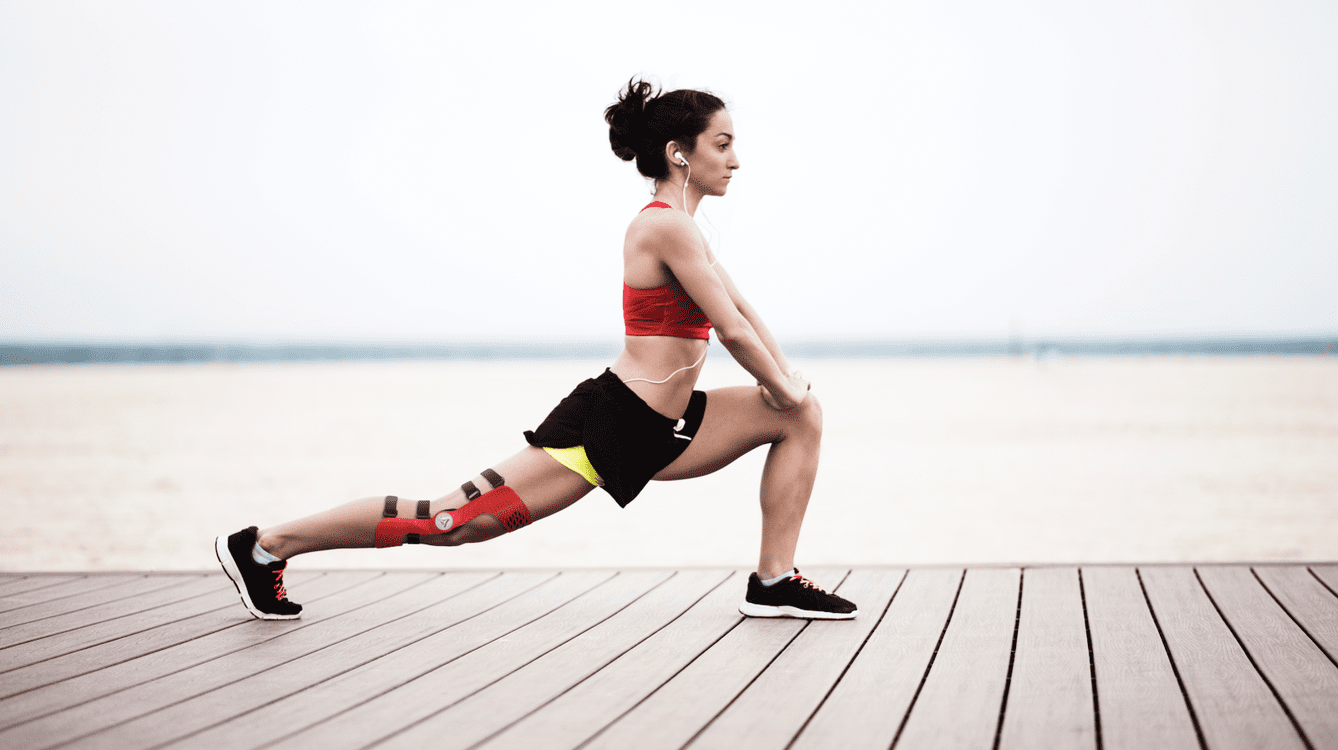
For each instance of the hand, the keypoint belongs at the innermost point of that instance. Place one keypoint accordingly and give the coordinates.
(798, 387)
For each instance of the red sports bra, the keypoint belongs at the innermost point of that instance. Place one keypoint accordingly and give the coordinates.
(663, 311)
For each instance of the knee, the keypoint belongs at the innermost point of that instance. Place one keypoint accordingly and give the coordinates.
(480, 529)
(808, 417)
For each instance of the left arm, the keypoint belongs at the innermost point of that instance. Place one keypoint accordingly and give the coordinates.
(749, 314)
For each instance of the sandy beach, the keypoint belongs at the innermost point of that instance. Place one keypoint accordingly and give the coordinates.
(930, 461)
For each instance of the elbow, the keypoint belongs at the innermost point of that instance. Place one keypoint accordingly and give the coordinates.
(733, 331)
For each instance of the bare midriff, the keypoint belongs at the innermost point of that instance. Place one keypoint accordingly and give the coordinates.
(654, 358)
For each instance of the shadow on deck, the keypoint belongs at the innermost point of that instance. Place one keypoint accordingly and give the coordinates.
(1215, 656)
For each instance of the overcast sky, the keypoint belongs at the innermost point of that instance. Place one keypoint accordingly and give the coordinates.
(410, 171)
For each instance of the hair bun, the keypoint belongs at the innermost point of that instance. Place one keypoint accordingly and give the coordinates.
(627, 120)
(644, 121)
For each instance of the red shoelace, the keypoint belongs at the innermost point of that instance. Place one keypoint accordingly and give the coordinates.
(280, 592)
(806, 583)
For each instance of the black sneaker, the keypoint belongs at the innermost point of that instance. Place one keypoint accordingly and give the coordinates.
(796, 596)
(261, 586)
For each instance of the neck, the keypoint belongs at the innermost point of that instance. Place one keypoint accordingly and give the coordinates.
(671, 192)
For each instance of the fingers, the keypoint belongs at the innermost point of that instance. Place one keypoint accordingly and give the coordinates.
(767, 397)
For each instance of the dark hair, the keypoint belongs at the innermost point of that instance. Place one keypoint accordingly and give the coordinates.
(643, 121)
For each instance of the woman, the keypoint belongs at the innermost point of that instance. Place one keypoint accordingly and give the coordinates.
(640, 419)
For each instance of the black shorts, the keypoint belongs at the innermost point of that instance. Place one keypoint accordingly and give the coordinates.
(627, 441)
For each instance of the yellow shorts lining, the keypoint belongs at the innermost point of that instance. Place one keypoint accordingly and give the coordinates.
(575, 459)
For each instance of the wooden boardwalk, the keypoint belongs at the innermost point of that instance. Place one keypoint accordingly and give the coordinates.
(1167, 657)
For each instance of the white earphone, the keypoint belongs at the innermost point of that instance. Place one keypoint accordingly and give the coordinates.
(679, 155)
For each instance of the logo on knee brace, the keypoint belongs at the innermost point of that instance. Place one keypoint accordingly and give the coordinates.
(445, 521)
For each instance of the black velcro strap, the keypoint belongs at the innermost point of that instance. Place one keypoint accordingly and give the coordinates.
(411, 539)
(493, 478)
(392, 509)
(471, 491)
(422, 509)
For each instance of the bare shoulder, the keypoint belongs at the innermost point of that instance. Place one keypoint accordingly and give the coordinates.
(664, 233)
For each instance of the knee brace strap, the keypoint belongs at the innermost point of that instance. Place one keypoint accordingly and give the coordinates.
(501, 503)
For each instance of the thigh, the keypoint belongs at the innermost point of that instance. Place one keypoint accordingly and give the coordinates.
(737, 420)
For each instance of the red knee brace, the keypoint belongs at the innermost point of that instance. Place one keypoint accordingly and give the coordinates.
(501, 503)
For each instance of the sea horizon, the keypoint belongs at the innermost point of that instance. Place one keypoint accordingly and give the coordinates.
(19, 353)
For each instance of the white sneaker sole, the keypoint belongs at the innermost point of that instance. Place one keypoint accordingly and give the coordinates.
(748, 609)
(230, 567)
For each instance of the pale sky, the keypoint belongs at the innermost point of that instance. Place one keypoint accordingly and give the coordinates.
(410, 171)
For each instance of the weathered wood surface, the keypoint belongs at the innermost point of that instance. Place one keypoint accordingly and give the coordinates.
(1113, 657)
(1139, 697)
(1050, 694)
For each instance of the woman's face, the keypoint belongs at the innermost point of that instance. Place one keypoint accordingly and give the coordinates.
(713, 162)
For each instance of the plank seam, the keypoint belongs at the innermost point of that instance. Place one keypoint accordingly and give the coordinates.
(1012, 656)
(1091, 662)
(355, 666)
(1295, 724)
(129, 658)
(1312, 638)
(760, 672)
(95, 623)
(1315, 575)
(443, 664)
(1166, 647)
(731, 701)
(129, 635)
(849, 664)
(192, 666)
(634, 600)
(52, 599)
(577, 684)
(647, 697)
(70, 611)
(924, 677)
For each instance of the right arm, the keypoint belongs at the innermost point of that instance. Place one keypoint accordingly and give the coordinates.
(674, 241)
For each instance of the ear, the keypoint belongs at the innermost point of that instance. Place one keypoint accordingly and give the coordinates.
(669, 149)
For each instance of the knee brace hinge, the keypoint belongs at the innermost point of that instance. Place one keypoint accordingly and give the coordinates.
(501, 502)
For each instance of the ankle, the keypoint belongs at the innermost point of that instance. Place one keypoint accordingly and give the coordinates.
(775, 576)
(271, 543)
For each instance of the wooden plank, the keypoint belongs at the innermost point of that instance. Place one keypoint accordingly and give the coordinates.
(1050, 693)
(18, 584)
(250, 680)
(1235, 709)
(103, 722)
(413, 701)
(579, 713)
(558, 685)
(71, 654)
(169, 589)
(672, 715)
(871, 700)
(1301, 674)
(159, 663)
(77, 608)
(1313, 606)
(501, 623)
(1327, 574)
(1141, 702)
(772, 710)
(73, 592)
(502, 703)
(10, 579)
(508, 601)
(959, 705)
(160, 607)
